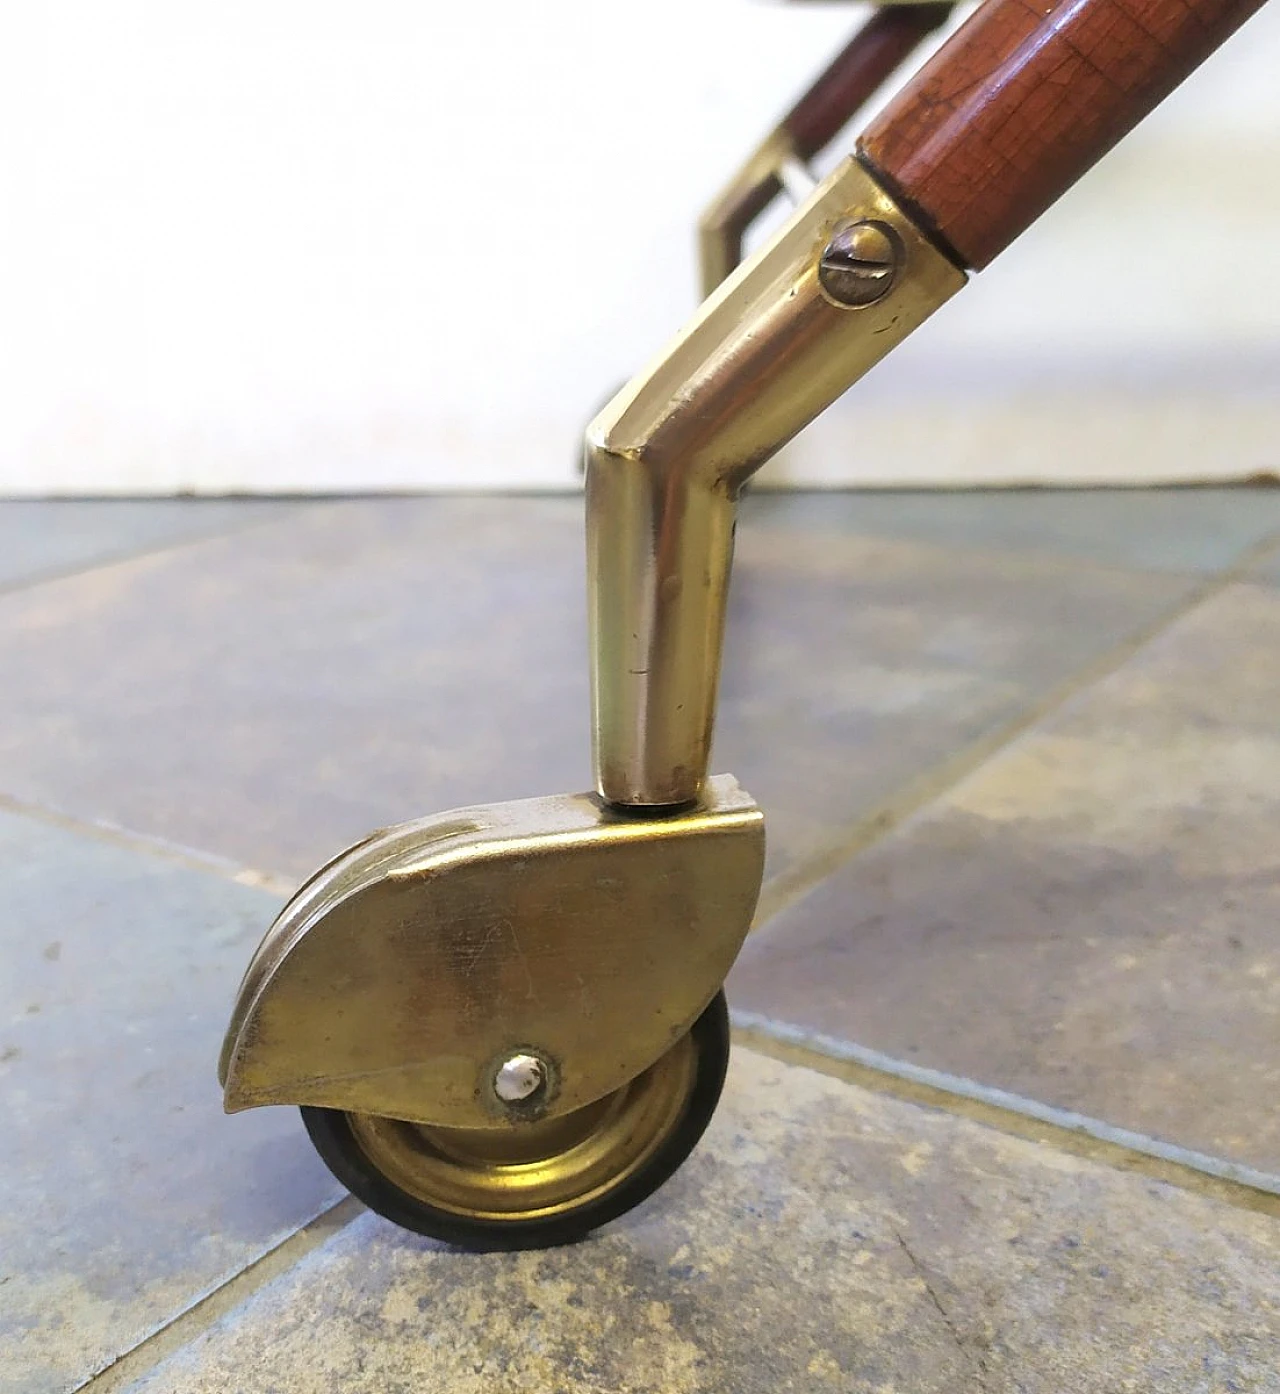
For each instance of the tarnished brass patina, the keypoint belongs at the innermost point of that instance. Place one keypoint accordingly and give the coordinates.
(401, 979)
(766, 353)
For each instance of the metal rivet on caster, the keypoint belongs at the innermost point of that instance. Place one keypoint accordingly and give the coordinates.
(860, 263)
(520, 1079)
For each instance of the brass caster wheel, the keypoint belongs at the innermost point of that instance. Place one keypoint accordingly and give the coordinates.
(496, 1020)
(538, 1183)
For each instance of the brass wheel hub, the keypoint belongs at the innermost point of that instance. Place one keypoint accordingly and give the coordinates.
(540, 1169)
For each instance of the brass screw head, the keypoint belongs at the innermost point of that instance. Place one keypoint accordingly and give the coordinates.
(860, 263)
(519, 1078)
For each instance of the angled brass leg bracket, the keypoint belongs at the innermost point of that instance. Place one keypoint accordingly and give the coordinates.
(847, 278)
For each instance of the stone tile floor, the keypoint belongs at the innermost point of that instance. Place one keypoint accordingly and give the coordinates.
(1002, 1113)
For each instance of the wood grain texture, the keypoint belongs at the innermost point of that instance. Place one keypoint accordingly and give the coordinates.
(1025, 98)
(820, 113)
(867, 60)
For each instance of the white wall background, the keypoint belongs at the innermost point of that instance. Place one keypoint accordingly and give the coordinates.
(279, 246)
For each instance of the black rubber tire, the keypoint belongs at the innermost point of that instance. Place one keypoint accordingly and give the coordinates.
(331, 1133)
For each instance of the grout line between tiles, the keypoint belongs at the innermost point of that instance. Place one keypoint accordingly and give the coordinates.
(1065, 1131)
(794, 883)
(145, 843)
(151, 549)
(205, 1311)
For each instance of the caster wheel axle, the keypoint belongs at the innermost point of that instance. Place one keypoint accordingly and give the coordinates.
(541, 1183)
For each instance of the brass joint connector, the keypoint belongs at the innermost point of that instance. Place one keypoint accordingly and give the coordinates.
(845, 280)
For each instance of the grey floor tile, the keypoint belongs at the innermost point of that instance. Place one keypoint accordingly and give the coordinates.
(275, 694)
(125, 1194)
(1091, 919)
(820, 1238)
(1194, 530)
(854, 667)
(47, 537)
